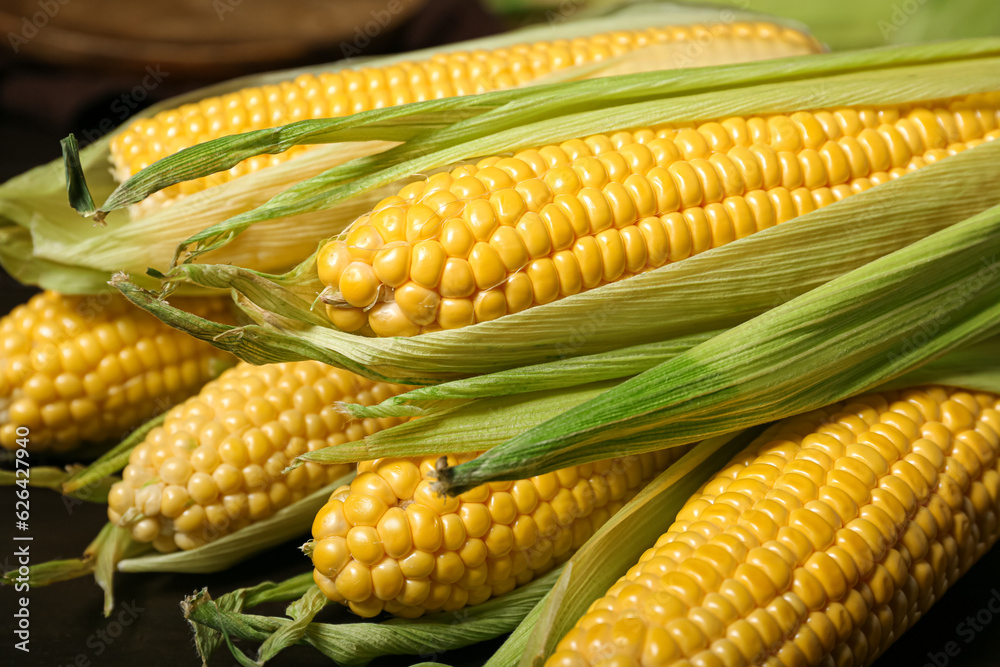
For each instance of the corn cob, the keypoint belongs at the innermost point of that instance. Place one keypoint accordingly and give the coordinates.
(820, 547)
(217, 463)
(476, 243)
(447, 74)
(390, 542)
(87, 369)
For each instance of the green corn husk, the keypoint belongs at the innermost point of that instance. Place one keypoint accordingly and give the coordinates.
(963, 367)
(357, 643)
(475, 426)
(113, 550)
(485, 423)
(540, 377)
(44, 242)
(715, 290)
(843, 338)
(852, 24)
(208, 640)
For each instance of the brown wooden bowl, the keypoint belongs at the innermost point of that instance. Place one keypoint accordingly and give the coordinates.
(204, 37)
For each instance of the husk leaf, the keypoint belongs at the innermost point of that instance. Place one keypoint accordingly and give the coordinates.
(540, 377)
(207, 640)
(302, 612)
(352, 644)
(849, 335)
(476, 426)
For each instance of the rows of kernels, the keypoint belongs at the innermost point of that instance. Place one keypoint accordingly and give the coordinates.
(79, 369)
(217, 463)
(389, 542)
(482, 241)
(820, 547)
(349, 91)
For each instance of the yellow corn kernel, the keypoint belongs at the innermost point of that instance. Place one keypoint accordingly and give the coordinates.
(821, 546)
(448, 74)
(466, 548)
(627, 206)
(77, 369)
(218, 461)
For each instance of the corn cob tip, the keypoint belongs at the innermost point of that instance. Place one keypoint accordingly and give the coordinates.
(390, 542)
(220, 461)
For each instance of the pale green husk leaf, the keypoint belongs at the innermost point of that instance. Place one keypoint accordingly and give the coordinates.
(849, 335)
(484, 423)
(208, 640)
(302, 612)
(540, 377)
(358, 643)
(476, 426)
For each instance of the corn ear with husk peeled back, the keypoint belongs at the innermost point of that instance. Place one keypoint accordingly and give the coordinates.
(714, 289)
(649, 35)
(512, 232)
(820, 544)
(88, 369)
(209, 481)
(455, 71)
